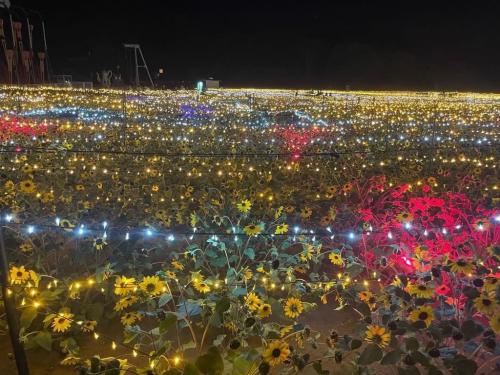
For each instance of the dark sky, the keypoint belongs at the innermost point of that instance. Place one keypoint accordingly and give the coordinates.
(364, 44)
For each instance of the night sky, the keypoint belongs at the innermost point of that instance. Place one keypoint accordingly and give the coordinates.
(357, 44)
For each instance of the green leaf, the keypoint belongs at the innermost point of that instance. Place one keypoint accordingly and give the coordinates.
(239, 291)
(27, 316)
(249, 252)
(318, 367)
(355, 343)
(210, 363)
(168, 322)
(471, 329)
(354, 269)
(242, 366)
(222, 305)
(392, 358)
(191, 369)
(464, 366)
(411, 344)
(372, 353)
(44, 340)
(164, 299)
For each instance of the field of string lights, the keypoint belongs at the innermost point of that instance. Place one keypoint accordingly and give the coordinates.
(251, 231)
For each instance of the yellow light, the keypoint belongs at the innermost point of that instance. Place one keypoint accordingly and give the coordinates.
(96, 335)
(176, 360)
(113, 345)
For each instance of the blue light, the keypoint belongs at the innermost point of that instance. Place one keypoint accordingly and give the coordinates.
(351, 236)
(31, 229)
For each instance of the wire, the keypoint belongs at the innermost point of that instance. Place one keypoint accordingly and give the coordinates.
(18, 150)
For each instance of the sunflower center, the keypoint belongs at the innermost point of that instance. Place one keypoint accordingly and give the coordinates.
(423, 315)
(462, 263)
(276, 353)
(150, 287)
(19, 274)
(486, 302)
(422, 287)
(61, 320)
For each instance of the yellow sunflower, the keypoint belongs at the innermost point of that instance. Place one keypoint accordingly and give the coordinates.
(281, 229)
(423, 314)
(306, 213)
(307, 254)
(89, 326)
(177, 265)
(9, 185)
(246, 274)
(378, 335)
(26, 247)
(125, 302)
(336, 259)
(99, 243)
(252, 301)
(293, 307)
(27, 186)
(485, 304)
(151, 285)
(124, 285)
(404, 217)
(265, 310)
(420, 290)
(130, 318)
(62, 322)
(201, 286)
(244, 206)
(276, 352)
(252, 230)
(495, 322)
(461, 266)
(71, 360)
(19, 275)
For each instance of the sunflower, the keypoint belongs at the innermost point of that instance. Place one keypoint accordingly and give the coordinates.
(80, 187)
(27, 169)
(485, 304)
(27, 186)
(307, 254)
(125, 302)
(201, 286)
(89, 326)
(495, 322)
(252, 230)
(324, 221)
(151, 285)
(99, 243)
(155, 188)
(130, 318)
(124, 285)
(265, 310)
(276, 352)
(306, 212)
(71, 360)
(404, 217)
(281, 229)
(289, 209)
(378, 335)
(252, 301)
(423, 314)
(347, 187)
(26, 247)
(66, 225)
(9, 185)
(336, 259)
(246, 274)
(420, 290)
(171, 275)
(365, 295)
(62, 322)
(244, 206)
(278, 212)
(491, 284)
(177, 265)
(293, 307)
(19, 275)
(47, 197)
(461, 266)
